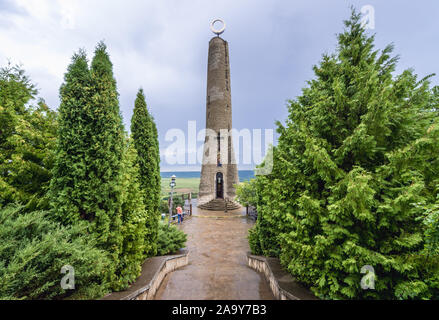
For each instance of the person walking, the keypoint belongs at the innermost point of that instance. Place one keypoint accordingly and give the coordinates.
(179, 213)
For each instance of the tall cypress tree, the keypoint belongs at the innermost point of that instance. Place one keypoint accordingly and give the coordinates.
(106, 150)
(134, 220)
(69, 188)
(87, 175)
(354, 163)
(144, 134)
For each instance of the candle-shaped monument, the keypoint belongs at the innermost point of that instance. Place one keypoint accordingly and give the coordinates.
(219, 171)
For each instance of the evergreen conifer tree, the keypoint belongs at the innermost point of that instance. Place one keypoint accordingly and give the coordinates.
(134, 220)
(27, 139)
(69, 189)
(87, 175)
(145, 137)
(354, 168)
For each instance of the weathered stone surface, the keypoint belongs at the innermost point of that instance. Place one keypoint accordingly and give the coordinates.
(282, 284)
(218, 144)
(220, 205)
(154, 270)
(217, 268)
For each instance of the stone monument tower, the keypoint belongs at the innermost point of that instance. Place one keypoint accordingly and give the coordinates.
(219, 171)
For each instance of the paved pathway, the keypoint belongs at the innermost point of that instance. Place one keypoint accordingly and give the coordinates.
(217, 268)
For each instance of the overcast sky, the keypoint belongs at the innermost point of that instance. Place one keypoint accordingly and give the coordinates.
(162, 47)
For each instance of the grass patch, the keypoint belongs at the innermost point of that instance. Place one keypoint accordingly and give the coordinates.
(184, 185)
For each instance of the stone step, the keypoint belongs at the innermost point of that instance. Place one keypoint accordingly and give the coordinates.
(219, 205)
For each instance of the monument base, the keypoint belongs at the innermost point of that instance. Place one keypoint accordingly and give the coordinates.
(219, 205)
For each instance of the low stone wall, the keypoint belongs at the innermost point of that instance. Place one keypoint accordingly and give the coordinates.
(154, 271)
(282, 284)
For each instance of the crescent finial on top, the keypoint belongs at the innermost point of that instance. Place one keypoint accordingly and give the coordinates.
(217, 31)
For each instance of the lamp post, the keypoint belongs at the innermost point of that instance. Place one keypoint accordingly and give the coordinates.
(172, 184)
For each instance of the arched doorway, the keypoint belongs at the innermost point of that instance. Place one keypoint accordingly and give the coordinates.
(219, 182)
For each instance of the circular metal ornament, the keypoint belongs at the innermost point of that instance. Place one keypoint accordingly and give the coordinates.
(218, 31)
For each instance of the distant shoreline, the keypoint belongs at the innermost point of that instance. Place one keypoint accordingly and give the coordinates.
(243, 174)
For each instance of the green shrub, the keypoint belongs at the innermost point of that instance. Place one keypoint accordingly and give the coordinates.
(431, 222)
(33, 249)
(164, 208)
(27, 142)
(134, 223)
(246, 193)
(253, 240)
(176, 201)
(355, 169)
(170, 239)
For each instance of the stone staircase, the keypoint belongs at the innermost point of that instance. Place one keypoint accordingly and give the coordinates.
(219, 205)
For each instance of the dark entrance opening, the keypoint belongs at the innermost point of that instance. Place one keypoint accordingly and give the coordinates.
(219, 185)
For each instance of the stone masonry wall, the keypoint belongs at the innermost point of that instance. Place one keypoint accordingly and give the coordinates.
(219, 121)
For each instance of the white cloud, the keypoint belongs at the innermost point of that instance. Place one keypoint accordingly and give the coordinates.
(153, 44)
(161, 45)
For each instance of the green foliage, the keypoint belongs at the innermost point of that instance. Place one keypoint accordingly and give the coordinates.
(27, 141)
(103, 220)
(145, 137)
(33, 249)
(263, 237)
(254, 241)
(86, 182)
(431, 221)
(134, 220)
(170, 239)
(164, 207)
(355, 166)
(177, 201)
(246, 193)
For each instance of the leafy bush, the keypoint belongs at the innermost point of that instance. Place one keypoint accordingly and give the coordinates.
(27, 141)
(246, 193)
(164, 208)
(176, 201)
(170, 239)
(95, 183)
(355, 168)
(134, 229)
(253, 240)
(431, 221)
(33, 249)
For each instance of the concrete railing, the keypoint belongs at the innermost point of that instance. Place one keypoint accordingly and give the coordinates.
(154, 271)
(282, 284)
